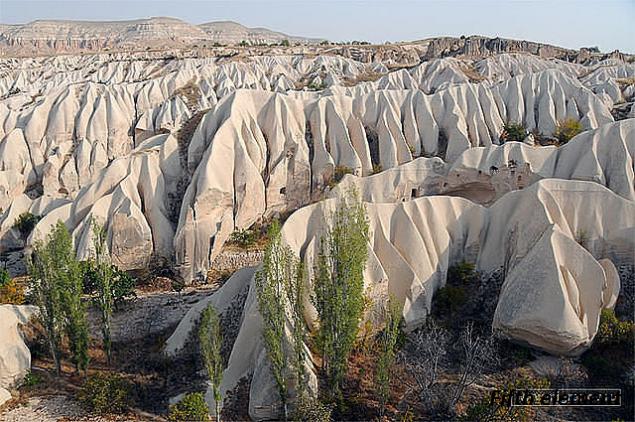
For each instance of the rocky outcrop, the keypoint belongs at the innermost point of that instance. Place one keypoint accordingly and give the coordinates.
(15, 357)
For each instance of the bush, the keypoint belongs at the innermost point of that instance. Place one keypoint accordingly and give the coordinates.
(31, 380)
(487, 410)
(244, 238)
(462, 273)
(338, 175)
(567, 129)
(513, 132)
(377, 168)
(25, 223)
(613, 331)
(191, 408)
(449, 299)
(106, 394)
(10, 291)
(312, 410)
(123, 284)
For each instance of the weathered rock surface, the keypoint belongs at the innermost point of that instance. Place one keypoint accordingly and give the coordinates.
(15, 357)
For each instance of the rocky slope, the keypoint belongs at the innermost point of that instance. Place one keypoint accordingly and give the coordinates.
(48, 36)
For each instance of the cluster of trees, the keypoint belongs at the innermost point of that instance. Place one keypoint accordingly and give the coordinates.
(340, 301)
(58, 284)
(566, 129)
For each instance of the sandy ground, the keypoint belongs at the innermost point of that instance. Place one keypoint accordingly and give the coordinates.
(48, 408)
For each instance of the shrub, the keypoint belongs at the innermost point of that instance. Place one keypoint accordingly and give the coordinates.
(312, 410)
(285, 43)
(613, 331)
(31, 380)
(244, 238)
(25, 223)
(191, 408)
(487, 409)
(122, 283)
(567, 129)
(338, 175)
(462, 273)
(449, 299)
(377, 168)
(106, 393)
(10, 291)
(513, 132)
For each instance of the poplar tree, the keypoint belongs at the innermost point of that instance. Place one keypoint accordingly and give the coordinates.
(105, 275)
(280, 287)
(339, 287)
(386, 350)
(210, 342)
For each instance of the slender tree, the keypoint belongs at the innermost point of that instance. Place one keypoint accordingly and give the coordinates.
(46, 293)
(339, 287)
(386, 351)
(69, 273)
(295, 294)
(104, 278)
(271, 284)
(210, 342)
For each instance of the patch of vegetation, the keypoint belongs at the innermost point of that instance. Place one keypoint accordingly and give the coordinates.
(488, 409)
(513, 132)
(210, 341)
(25, 223)
(104, 393)
(612, 331)
(338, 175)
(245, 238)
(377, 168)
(313, 86)
(191, 408)
(31, 380)
(449, 299)
(567, 129)
(122, 284)
(462, 273)
(313, 410)
(11, 292)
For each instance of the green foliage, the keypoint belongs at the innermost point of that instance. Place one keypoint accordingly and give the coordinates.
(612, 331)
(104, 274)
(314, 86)
(285, 43)
(449, 299)
(210, 342)
(312, 410)
(25, 223)
(339, 287)
(31, 380)
(513, 132)
(106, 394)
(56, 287)
(386, 349)
(487, 409)
(338, 175)
(463, 273)
(191, 408)
(244, 238)
(567, 129)
(11, 292)
(277, 284)
(243, 43)
(122, 284)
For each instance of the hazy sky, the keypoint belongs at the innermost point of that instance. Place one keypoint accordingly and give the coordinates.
(609, 24)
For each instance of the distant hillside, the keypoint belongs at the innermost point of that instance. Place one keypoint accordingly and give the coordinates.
(47, 36)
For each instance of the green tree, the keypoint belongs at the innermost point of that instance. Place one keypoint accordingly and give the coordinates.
(271, 284)
(386, 349)
(210, 341)
(70, 279)
(339, 287)
(103, 272)
(513, 132)
(46, 294)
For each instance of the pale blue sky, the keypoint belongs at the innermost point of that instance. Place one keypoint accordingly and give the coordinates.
(609, 24)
